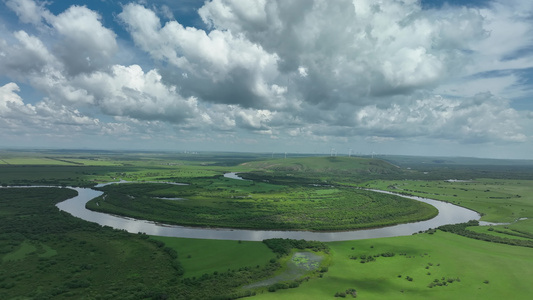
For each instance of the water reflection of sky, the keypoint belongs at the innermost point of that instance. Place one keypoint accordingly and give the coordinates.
(448, 214)
(233, 175)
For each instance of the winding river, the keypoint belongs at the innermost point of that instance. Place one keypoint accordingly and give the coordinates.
(448, 214)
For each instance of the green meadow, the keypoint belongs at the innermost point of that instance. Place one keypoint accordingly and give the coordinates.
(46, 254)
(441, 266)
(199, 256)
(230, 203)
(497, 200)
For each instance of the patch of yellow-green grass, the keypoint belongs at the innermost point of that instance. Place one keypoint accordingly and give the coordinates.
(20, 253)
(199, 256)
(476, 269)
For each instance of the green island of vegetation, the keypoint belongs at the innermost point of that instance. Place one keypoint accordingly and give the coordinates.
(223, 202)
(48, 254)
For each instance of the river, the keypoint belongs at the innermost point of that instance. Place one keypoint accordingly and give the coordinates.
(448, 214)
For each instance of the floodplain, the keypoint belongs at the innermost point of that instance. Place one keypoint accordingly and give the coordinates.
(48, 254)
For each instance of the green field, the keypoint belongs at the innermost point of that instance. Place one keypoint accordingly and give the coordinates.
(507, 269)
(87, 169)
(200, 257)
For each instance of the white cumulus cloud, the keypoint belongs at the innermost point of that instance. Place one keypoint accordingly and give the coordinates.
(295, 71)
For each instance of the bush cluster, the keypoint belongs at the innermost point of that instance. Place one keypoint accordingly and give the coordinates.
(284, 246)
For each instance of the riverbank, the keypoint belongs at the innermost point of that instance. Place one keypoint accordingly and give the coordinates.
(448, 214)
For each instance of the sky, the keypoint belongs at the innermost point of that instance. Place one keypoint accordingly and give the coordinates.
(404, 77)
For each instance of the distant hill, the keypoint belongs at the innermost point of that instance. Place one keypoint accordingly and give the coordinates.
(359, 169)
(330, 165)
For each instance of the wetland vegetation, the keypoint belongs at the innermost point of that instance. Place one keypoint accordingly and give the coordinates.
(48, 254)
(222, 202)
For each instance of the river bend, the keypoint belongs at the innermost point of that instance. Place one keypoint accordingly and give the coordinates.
(448, 214)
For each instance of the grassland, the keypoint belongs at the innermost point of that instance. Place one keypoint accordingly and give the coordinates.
(45, 254)
(222, 202)
(200, 256)
(464, 268)
(325, 165)
(498, 201)
(85, 170)
(321, 170)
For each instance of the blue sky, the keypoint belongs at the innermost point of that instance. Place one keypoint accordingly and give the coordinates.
(449, 78)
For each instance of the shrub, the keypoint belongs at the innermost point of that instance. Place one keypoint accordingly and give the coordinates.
(340, 294)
